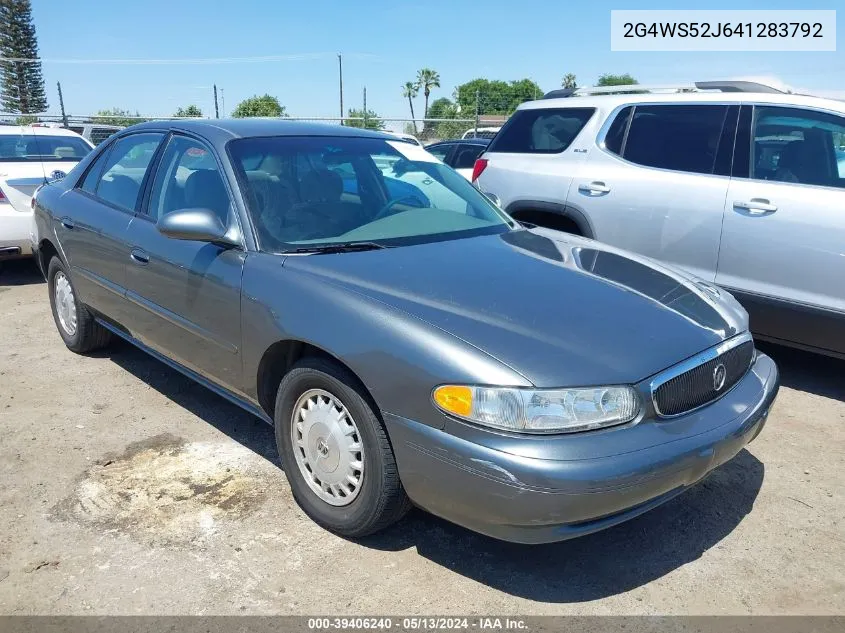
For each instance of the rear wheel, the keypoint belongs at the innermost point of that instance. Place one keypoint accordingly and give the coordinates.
(335, 451)
(76, 325)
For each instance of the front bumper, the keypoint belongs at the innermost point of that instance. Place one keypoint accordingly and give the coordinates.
(525, 496)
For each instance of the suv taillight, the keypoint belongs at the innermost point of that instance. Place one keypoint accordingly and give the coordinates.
(480, 166)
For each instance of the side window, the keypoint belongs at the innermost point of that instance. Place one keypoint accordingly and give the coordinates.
(125, 169)
(541, 131)
(440, 151)
(678, 137)
(89, 183)
(188, 177)
(615, 137)
(798, 146)
(466, 155)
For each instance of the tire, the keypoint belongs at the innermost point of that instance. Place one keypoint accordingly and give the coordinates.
(379, 499)
(87, 335)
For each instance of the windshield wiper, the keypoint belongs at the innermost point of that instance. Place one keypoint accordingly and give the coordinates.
(342, 247)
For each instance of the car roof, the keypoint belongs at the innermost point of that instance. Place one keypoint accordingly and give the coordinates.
(609, 102)
(463, 141)
(257, 127)
(17, 130)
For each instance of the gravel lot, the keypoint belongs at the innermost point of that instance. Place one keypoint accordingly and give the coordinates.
(127, 489)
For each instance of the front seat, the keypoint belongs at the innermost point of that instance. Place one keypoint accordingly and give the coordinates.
(205, 190)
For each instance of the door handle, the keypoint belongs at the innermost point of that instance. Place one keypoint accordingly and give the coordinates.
(67, 222)
(139, 256)
(595, 187)
(755, 206)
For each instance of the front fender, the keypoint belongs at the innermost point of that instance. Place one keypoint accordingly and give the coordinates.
(399, 358)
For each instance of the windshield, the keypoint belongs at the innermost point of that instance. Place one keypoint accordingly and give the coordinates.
(31, 147)
(330, 190)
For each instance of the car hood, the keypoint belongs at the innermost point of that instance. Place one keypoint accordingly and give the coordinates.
(559, 309)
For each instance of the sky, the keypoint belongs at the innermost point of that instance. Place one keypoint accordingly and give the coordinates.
(143, 55)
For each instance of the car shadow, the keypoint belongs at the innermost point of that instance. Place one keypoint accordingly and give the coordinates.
(598, 565)
(805, 371)
(20, 272)
(595, 566)
(241, 426)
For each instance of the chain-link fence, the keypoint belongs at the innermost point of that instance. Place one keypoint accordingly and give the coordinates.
(98, 127)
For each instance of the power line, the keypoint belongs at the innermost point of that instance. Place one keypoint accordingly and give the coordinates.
(189, 60)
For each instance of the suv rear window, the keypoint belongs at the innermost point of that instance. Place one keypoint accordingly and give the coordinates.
(541, 130)
(678, 137)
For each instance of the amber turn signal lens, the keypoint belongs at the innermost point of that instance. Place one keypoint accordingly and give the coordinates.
(454, 399)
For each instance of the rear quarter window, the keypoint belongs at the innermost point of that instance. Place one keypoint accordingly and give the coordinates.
(541, 131)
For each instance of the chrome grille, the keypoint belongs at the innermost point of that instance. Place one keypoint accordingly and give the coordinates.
(710, 376)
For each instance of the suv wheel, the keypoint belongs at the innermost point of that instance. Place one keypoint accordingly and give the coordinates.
(335, 451)
(76, 325)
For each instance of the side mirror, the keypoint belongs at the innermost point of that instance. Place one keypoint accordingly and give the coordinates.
(201, 225)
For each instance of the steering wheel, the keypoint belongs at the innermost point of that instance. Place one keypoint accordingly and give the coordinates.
(386, 209)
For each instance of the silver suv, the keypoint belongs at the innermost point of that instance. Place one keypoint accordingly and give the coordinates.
(737, 183)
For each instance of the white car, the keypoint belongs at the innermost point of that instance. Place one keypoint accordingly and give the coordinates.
(482, 132)
(29, 157)
(406, 137)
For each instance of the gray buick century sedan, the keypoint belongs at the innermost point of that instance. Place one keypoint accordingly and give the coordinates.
(410, 343)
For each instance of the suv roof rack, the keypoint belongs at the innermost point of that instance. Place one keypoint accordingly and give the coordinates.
(721, 86)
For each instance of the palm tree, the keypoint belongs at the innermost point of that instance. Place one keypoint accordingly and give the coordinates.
(427, 79)
(410, 90)
(568, 81)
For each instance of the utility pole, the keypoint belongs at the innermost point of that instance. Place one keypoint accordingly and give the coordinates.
(365, 107)
(216, 110)
(477, 110)
(340, 77)
(62, 104)
(223, 102)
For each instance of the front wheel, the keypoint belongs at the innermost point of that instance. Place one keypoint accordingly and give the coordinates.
(76, 325)
(335, 451)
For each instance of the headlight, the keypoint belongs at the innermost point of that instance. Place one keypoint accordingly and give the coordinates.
(540, 410)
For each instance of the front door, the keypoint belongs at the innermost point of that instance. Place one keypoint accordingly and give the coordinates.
(187, 294)
(783, 242)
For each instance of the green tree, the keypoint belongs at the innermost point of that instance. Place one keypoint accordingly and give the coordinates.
(259, 106)
(608, 79)
(443, 109)
(495, 96)
(410, 90)
(117, 116)
(190, 111)
(22, 87)
(568, 81)
(426, 80)
(522, 90)
(356, 119)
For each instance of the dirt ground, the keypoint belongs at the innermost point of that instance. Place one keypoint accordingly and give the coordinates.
(127, 489)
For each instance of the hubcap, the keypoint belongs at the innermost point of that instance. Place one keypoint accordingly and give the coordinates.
(328, 447)
(65, 304)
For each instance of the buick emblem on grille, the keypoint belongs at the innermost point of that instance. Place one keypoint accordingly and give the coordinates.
(719, 375)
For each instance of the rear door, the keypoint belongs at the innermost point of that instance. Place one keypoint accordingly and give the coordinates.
(656, 185)
(783, 241)
(95, 218)
(187, 294)
(534, 157)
